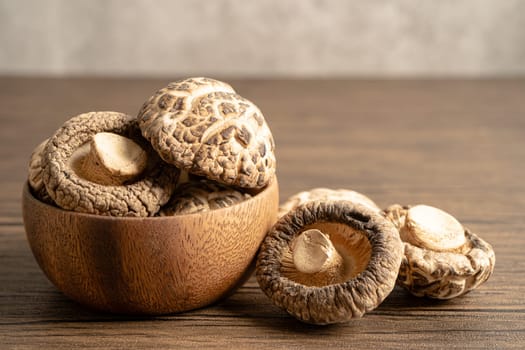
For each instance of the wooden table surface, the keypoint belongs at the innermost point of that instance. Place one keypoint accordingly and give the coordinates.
(457, 145)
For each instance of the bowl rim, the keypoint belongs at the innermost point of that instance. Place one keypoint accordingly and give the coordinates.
(255, 195)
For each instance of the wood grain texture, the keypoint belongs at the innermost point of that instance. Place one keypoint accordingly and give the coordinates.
(456, 145)
(153, 265)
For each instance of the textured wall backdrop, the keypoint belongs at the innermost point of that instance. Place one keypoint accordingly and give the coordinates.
(263, 38)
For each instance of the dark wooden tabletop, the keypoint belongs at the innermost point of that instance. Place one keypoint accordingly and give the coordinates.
(457, 145)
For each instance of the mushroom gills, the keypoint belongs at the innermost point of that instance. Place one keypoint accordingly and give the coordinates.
(326, 253)
(442, 259)
(109, 159)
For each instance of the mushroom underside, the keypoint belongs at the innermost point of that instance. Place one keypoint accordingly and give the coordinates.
(446, 275)
(63, 156)
(369, 275)
(441, 259)
(350, 244)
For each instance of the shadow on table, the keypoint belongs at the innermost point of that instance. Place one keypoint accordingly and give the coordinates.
(259, 311)
(247, 307)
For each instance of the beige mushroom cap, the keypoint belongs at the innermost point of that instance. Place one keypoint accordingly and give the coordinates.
(324, 194)
(202, 126)
(368, 243)
(442, 259)
(66, 150)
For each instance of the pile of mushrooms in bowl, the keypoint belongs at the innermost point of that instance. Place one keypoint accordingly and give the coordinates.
(171, 210)
(159, 213)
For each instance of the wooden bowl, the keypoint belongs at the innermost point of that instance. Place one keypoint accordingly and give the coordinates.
(153, 265)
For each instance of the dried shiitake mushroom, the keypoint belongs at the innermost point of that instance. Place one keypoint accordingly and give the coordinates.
(328, 261)
(202, 195)
(442, 259)
(35, 174)
(98, 163)
(202, 126)
(103, 163)
(323, 194)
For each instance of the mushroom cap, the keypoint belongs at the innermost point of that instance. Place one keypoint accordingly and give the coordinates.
(202, 195)
(66, 148)
(366, 287)
(437, 272)
(324, 194)
(202, 126)
(35, 169)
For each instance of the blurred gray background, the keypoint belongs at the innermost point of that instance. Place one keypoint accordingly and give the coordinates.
(266, 38)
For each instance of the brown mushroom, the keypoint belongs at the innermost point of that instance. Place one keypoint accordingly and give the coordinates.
(323, 194)
(442, 259)
(202, 126)
(329, 261)
(78, 177)
(202, 195)
(35, 174)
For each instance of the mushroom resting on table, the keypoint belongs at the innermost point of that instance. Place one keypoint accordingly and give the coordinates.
(442, 259)
(323, 194)
(202, 126)
(99, 163)
(329, 261)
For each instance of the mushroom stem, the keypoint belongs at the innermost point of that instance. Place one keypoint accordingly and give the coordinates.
(432, 228)
(113, 160)
(314, 254)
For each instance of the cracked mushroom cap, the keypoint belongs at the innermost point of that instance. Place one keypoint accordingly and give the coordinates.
(202, 126)
(197, 196)
(73, 186)
(324, 194)
(442, 259)
(327, 262)
(35, 169)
